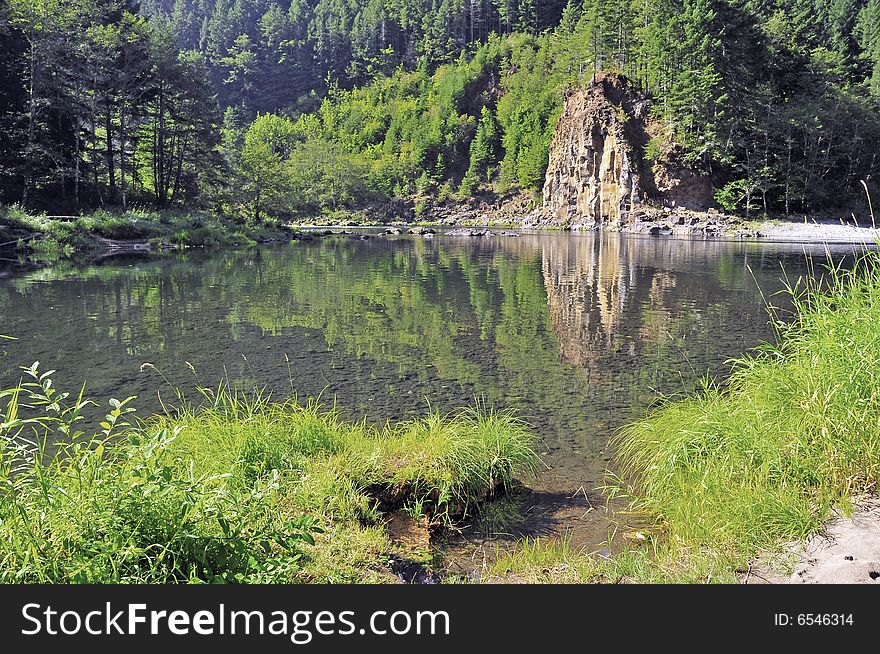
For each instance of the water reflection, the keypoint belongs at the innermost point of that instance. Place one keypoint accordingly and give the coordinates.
(578, 333)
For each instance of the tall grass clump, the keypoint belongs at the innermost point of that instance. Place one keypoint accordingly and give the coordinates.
(238, 489)
(794, 431)
(348, 471)
(451, 461)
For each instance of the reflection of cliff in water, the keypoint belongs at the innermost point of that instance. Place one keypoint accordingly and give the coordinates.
(613, 300)
(587, 293)
(569, 329)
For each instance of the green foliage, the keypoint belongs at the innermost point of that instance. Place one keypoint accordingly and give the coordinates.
(237, 491)
(104, 109)
(655, 147)
(268, 144)
(49, 239)
(528, 112)
(483, 152)
(97, 509)
(109, 105)
(323, 174)
(731, 195)
(745, 468)
(869, 38)
(405, 133)
(375, 142)
(267, 55)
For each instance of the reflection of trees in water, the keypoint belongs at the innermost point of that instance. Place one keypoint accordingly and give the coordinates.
(517, 320)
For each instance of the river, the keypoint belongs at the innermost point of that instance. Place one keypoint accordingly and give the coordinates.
(578, 333)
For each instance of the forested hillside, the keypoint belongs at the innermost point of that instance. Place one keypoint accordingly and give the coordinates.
(283, 107)
(264, 55)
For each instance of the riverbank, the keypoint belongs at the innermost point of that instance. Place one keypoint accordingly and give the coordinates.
(44, 238)
(517, 210)
(846, 551)
(241, 490)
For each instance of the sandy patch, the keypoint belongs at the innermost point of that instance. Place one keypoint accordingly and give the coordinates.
(846, 552)
(814, 232)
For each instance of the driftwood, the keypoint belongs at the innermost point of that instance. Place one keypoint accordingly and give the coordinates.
(14, 241)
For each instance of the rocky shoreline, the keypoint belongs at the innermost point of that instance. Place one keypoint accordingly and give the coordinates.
(508, 215)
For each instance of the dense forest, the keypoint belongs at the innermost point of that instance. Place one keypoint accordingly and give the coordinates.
(277, 107)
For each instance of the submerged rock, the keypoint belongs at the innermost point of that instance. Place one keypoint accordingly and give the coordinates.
(483, 232)
(464, 231)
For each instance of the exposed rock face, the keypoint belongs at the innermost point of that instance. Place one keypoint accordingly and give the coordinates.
(592, 176)
(678, 186)
(596, 174)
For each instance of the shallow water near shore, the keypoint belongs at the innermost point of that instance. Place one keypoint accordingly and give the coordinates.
(579, 333)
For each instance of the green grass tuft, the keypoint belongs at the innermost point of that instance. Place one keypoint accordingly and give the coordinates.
(795, 430)
(240, 490)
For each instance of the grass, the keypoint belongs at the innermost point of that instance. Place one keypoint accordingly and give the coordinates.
(505, 516)
(795, 430)
(545, 561)
(45, 238)
(240, 490)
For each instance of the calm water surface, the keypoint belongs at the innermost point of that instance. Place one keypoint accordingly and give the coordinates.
(578, 333)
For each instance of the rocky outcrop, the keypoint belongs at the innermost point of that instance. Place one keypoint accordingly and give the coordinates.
(597, 175)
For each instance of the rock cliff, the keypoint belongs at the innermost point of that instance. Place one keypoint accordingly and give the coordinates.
(597, 175)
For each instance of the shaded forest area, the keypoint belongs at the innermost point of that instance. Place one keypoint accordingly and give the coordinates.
(258, 108)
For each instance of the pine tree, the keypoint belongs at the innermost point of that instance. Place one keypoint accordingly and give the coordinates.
(483, 152)
(869, 39)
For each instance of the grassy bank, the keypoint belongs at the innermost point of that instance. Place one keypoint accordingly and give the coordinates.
(48, 238)
(239, 490)
(746, 467)
(247, 490)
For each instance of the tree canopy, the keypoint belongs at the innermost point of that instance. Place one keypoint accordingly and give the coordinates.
(109, 102)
